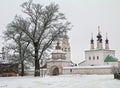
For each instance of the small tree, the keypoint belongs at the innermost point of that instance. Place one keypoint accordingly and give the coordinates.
(116, 72)
(19, 44)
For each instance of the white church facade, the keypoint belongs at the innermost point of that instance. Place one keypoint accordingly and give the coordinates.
(98, 60)
(99, 55)
(61, 57)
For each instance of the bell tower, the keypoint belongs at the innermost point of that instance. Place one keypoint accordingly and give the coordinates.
(66, 46)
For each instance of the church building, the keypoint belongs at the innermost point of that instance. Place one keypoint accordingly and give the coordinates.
(99, 55)
(98, 60)
(61, 57)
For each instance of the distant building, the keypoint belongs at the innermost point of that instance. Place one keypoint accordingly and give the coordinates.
(99, 55)
(7, 68)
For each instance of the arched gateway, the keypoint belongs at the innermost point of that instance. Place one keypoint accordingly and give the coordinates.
(58, 59)
(54, 70)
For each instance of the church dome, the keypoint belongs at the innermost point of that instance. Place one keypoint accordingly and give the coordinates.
(58, 49)
(58, 46)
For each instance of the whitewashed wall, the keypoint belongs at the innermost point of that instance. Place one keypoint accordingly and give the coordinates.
(88, 70)
(102, 54)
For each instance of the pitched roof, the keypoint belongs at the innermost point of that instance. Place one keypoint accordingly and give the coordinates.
(110, 58)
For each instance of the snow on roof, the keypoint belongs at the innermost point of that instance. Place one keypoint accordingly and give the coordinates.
(58, 51)
(81, 62)
(58, 60)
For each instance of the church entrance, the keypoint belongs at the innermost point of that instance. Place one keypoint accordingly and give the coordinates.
(54, 70)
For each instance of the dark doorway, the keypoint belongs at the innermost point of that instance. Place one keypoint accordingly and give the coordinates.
(55, 70)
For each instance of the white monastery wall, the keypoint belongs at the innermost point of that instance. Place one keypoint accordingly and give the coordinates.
(87, 70)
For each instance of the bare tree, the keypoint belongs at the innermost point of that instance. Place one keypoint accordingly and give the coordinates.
(19, 45)
(44, 25)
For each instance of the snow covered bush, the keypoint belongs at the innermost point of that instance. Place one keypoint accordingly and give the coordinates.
(116, 72)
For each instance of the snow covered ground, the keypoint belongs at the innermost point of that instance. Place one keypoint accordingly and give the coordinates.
(61, 81)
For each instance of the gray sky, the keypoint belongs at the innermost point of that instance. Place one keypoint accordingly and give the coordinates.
(85, 16)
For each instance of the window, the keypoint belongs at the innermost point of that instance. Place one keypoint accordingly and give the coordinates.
(70, 70)
(89, 58)
(93, 57)
(97, 57)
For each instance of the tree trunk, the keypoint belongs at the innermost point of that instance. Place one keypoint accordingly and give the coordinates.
(37, 68)
(22, 60)
(22, 68)
(37, 64)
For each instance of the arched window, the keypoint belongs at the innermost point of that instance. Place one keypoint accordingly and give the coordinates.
(97, 57)
(70, 70)
(93, 57)
(89, 58)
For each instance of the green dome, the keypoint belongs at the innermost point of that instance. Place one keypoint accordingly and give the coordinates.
(110, 59)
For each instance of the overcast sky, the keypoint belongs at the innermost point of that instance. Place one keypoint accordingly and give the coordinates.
(85, 16)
